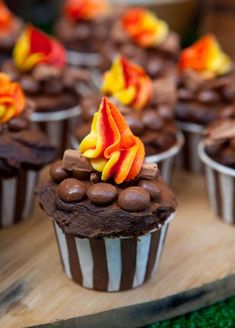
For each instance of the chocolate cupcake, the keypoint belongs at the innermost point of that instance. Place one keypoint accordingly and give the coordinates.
(148, 107)
(206, 92)
(217, 153)
(10, 29)
(24, 150)
(142, 37)
(83, 28)
(110, 210)
(40, 65)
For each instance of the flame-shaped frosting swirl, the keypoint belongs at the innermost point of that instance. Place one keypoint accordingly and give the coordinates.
(35, 47)
(144, 28)
(6, 19)
(128, 83)
(85, 9)
(205, 56)
(12, 99)
(111, 146)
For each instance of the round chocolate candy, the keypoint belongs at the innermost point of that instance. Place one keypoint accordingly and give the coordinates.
(18, 124)
(57, 172)
(29, 85)
(135, 123)
(151, 186)
(102, 193)
(152, 120)
(134, 199)
(208, 96)
(71, 190)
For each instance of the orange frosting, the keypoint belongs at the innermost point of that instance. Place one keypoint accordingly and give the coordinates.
(205, 56)
(85, 9)
(35, 47)
(111, 146)
(6, 19)
(128, 83)
(12, 99)
(144, 28)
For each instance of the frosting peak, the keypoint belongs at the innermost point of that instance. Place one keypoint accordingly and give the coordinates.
(6, 18)
(205, 56)
(35, 47)
(12, 99)
(85, 9)
(144, 28)
(111, 147)
(128, 83)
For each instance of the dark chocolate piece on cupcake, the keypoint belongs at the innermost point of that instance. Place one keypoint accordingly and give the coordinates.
(206, 84)
(142, 37)
(24, 150)
(40, 65)
(107, 203)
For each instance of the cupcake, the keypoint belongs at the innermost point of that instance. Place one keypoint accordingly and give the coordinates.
(40, 65)
(10, 29)
(24, 150)
(83, 28)
(110, 210)
(142, 37)
(206, 92)
(147, 106)
(217, 153)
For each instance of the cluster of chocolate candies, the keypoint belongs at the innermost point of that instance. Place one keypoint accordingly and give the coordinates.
(77, 181)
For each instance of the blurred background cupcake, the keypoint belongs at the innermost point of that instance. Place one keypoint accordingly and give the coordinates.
(148, 106)
(24, 150)
(40, 64)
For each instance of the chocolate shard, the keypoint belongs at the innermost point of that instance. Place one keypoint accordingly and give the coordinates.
(164, 91)
(74, 160)
(149, 171)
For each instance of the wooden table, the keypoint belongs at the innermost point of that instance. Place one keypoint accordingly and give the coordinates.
(197, 269)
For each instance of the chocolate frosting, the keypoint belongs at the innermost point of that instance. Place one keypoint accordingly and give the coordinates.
(23, 146)
(202, 100)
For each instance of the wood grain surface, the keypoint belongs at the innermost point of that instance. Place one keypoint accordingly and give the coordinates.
(197, 269)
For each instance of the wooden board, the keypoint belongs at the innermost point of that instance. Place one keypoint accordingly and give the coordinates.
(197, 269)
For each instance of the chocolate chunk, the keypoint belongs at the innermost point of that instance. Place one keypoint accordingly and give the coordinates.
(57, 172)
(152, 120)
(71, 190)
(149, 171)
(164, 90)
(29, 84)
(18, 124)
(45, 72)
(208, 97)
(134, 199)
(73, 160)
(102, 193)
(154, 66)
(166, 111)
(151, 186)
(135, 123)
(184, 94)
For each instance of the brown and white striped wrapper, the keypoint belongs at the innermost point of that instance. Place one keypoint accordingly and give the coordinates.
(165, 160)
(111, 264)
(220, 182)
(188, 157)
(17, 197)
(57, 125)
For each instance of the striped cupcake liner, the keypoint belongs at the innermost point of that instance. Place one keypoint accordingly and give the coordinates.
(111, 264)
(17, 197)
(188, 157)
(220, 181)
(165, 160)
(58, 125)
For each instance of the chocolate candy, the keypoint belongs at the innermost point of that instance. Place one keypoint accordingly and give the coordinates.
(71, 190)
(57, 172)
(29, 84)
(134, 199)
(135, 123)
(152, 120)
(151, 186)
(102, 193)
(18, 124)
(208, 96)
(53, 86)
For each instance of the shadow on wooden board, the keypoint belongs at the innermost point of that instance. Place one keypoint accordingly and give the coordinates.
(145, 313)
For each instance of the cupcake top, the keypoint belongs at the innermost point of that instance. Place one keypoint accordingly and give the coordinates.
(206, 82)
(147, 105)
(40, 65)
(144, 38)
(105, 189)
(10, 28)
(21, 144)
(219, 141)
